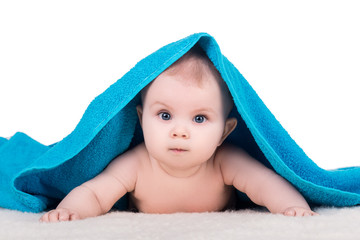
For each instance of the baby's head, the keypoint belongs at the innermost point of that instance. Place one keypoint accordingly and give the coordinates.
(184, 112)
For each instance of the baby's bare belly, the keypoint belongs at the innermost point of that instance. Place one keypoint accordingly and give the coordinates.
(186, 200)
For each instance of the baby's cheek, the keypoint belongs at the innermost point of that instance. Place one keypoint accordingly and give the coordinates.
(208, 146)
(152, 133)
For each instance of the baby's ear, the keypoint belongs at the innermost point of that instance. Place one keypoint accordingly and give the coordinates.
(230, 125)
(139, 112)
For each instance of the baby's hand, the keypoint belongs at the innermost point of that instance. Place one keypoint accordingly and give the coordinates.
(299, 212)
(60, 214)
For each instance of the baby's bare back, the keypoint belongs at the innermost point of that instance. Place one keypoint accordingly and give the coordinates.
(158, 192)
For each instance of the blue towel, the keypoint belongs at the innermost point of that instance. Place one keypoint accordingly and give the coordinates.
(34, 177)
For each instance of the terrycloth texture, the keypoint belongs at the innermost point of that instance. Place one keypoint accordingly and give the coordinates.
(34, 176)
(332, 224)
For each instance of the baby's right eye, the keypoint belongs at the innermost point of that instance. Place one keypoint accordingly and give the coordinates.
(165, 116)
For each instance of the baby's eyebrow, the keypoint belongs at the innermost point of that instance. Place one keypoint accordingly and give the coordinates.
(160, 103)
(208, 110)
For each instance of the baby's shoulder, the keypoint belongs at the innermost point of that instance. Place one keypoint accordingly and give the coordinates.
(230, 154)
(139, 151)
(131, 158)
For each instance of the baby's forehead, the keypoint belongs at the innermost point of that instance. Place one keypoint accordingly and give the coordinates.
(191, 69)
(178, 96)
(195, 68)
(177, 84)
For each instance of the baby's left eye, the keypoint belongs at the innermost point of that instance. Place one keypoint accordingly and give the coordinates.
(199, 119)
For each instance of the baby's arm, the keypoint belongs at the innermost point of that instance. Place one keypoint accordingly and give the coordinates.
(262, 185)
(97, 196)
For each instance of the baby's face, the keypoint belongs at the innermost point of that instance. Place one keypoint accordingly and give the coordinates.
(183, 123)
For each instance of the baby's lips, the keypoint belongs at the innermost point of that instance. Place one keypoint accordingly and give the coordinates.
(178, 150)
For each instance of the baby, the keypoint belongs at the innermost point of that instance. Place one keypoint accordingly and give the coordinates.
(183, 165)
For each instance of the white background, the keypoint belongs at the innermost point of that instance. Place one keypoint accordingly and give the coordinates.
(302, 58)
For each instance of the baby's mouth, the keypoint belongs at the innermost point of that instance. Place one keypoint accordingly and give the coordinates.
(178, 150)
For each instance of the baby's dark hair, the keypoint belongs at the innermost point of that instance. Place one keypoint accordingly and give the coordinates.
(195, 64)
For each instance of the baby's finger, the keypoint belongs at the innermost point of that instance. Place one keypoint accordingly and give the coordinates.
(74, 216)
(311, 213)
(64, 216)
(290, 212)
(44, 218)
(54, 216)
(307, 214)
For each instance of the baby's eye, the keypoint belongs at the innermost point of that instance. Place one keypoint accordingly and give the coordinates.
(165, 116)
(199, 119)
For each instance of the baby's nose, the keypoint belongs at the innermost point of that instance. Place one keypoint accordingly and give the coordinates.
(180, 133)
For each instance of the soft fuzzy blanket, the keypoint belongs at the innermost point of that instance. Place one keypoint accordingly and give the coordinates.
(34, 177)
(332, 223)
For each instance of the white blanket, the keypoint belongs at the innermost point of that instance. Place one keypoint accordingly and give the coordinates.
(333, 223)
